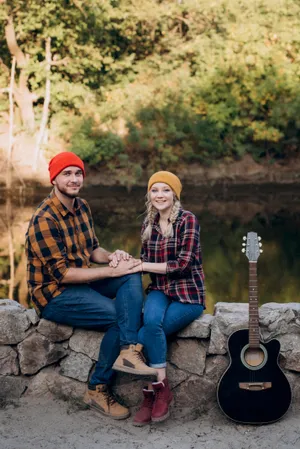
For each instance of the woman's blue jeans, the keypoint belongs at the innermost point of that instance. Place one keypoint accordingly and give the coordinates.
(163, 317)
(93, 307)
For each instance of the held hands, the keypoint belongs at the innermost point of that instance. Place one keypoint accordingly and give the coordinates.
(127, 267)
(115, 257)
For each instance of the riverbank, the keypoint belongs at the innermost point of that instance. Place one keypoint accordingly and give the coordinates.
(245, 171)
(51, 424)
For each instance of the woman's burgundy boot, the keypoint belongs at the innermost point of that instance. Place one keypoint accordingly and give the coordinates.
(163, 398)
(143, 416)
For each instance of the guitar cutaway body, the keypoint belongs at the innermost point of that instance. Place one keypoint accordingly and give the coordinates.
(253, 389)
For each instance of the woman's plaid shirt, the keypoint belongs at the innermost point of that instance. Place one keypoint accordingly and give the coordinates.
(56, 240)
(184, 279)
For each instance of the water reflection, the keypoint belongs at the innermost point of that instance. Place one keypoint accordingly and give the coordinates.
(225, 216)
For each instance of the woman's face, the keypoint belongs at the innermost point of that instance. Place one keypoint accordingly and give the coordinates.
(162, 197)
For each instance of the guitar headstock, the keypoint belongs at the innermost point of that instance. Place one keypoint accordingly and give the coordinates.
(252, 246)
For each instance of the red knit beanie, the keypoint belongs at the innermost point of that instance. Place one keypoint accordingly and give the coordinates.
(63, 160)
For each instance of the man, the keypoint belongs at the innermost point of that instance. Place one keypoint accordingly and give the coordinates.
(60, 246)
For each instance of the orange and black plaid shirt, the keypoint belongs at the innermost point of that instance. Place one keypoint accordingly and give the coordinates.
(57, 240)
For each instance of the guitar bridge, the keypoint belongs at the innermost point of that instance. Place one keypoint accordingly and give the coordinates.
(255, 386)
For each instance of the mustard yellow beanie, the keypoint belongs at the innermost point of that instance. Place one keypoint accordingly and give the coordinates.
(168, 178)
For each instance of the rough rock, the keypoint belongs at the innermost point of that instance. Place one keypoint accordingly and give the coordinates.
(64, 387)
(229, 317)
(8, 361)
(33, 316)
(176, 376)
(53, 331)
(49, 382)
(86, 342)
(290, 351)
(77, 366)
(215, 367)
(12, 387)
(36, 351)
(199, 328)
(278, 319)
(188, 355)
(13, 322)
(196, 393)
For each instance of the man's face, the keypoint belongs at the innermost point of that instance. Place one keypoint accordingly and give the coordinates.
(69, 181)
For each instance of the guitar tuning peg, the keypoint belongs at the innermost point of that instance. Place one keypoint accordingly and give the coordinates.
(260, 244)
(243, 250)
(259, 238)
(243, 244)
(244, 238)
(261, 250)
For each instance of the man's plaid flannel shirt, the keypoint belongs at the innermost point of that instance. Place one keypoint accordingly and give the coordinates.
(56, 240)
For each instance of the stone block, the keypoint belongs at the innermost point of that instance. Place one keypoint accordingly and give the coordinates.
(36, 351)
(13, 322)
(77, 366)
(199, 328)
(188, 355)
(12, 387)
(8, 361)
(86, 342)
(53, 331)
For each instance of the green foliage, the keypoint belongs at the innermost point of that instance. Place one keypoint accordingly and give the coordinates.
(178, 82)
(93, 145)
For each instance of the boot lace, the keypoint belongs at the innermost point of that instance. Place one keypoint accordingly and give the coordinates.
(109, 397)
(139, 356)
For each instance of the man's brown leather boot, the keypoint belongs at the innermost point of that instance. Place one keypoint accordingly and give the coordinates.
(131, 360)
(143, 415)
(101, 399)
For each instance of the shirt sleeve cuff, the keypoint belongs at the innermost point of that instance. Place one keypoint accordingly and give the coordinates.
(172, 266)
(59, 271)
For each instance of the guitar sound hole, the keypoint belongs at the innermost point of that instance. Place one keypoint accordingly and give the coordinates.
(254, 358)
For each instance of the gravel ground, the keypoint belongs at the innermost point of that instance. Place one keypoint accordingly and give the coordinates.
(54, 424)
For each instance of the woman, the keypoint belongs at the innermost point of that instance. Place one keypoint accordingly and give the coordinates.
(171, 253)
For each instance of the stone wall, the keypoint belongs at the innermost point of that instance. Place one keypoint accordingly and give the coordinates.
(38, 357)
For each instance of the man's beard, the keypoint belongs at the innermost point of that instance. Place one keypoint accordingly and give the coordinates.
(64, 192)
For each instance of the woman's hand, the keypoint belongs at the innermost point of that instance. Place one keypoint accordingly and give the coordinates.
(118, 255)
(127, 267)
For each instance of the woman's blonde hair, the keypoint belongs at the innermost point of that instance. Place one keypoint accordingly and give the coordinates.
(151, 212)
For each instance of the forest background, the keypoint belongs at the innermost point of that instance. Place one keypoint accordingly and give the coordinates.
(138, 85)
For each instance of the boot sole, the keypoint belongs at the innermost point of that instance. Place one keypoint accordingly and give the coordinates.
(140, 424)
(126, 369)
(163, 418)
(94, 407)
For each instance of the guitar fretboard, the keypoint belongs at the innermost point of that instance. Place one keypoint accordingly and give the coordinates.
(253, 307)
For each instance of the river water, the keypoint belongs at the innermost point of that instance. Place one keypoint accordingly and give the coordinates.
(225, 214)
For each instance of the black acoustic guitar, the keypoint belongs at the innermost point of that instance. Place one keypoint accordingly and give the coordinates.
(253, 389)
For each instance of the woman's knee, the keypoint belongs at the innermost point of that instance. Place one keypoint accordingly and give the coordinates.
(152, 324)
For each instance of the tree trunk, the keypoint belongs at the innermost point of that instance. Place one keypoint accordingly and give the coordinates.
(45, 114)
(23, 96)
(11, 125)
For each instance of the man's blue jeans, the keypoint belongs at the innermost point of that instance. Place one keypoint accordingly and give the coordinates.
(93, 307)
(163, 317)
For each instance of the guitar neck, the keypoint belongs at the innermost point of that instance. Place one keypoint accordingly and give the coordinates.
(253, 307)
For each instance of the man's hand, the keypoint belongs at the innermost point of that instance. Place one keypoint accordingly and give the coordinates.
(115, 257)
(127, 267)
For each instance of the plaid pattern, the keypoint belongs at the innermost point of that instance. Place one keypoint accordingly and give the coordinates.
(184, 279)
(56, 240)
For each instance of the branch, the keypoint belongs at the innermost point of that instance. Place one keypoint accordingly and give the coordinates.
(45, 106)
(63, 61)
(78, 6)
(12, 43)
